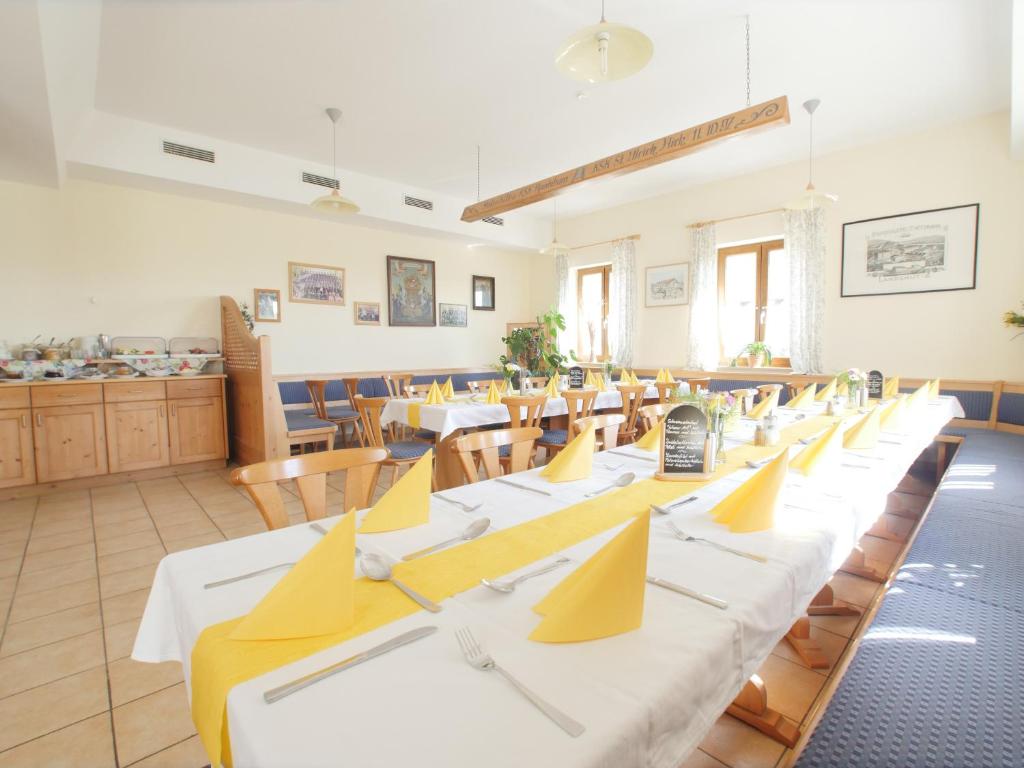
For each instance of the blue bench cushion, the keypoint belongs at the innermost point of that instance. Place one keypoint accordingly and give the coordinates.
(408, 449)
(297, 420)
(426, 434)
(554, 436)
(341, 412)
(296, 393)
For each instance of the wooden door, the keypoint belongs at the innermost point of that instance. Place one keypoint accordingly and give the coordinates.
(69, 442)
(197, 429)
(17, 464)
(137, 435)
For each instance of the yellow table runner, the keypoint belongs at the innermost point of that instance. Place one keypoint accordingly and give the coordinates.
(219, 664)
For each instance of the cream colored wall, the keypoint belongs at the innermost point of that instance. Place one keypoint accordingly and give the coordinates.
(95, 258)
(954, 334)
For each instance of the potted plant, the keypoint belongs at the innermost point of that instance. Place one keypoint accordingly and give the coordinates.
(1014, 320)
(758, 354)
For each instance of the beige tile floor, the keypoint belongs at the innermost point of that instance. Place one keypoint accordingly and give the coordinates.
(75, 572)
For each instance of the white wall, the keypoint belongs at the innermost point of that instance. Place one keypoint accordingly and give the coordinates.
(94, 258)
(955, 334)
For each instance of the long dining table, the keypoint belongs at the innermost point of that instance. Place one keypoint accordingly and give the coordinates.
(646, 697)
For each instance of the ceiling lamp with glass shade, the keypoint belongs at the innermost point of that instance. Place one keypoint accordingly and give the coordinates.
(811, 197)
(555, 248)
(334, 202)
(605, 51)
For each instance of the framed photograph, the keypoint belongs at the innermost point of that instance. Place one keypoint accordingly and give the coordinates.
(316, 284)
(667, 285)
(917, 252)
(411, 288)
(453, 315)
(266, 305)
(483, 292)
(367, 312)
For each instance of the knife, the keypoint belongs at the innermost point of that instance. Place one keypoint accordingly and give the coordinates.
(503, 481)
(276, 694)
(688, 592)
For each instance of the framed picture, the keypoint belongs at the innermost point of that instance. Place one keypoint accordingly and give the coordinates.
(266, 304)
(917, 252)
(367, 312)
(667, 285)
(483, 292)
(453, 315)
(316, 284)
(411, 287)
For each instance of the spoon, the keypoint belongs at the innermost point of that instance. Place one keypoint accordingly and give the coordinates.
(473, 530)
(379, 569)
(509, 585)
(620, 482)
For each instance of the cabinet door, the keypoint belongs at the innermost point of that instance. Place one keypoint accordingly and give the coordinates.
(137, 435)
(17, 464)
(69, 442)
(197, 429)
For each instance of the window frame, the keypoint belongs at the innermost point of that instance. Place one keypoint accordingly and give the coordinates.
(605, 270)
(762, 248)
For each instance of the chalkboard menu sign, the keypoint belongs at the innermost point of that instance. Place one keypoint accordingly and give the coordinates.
(876, 383)
(576, 377)
(682, 445)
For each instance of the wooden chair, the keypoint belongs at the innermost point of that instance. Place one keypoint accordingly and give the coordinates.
(338, 414)
(537, 382)
(745, 397)
(632, 400)
(793, 389)
(484, 448)
(522, 412)
(607, 427)
(650, 415)
(400, 452)
(699, 384)
(352, 390)
(664, 388)
(765, 390)
(418, 390)
(397, 384)
(480, 386)
(361, 466)
(580, 403)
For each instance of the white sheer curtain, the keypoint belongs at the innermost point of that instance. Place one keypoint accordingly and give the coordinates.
(622, 302)
(805, 242)
(562, 299)
(703, 343)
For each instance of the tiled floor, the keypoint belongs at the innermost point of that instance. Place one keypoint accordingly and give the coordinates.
(75, 571)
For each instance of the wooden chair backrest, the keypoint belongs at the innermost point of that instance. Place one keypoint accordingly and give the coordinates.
(480, 385)
(606, 425)
(485, 446)
(580, 403)
(316, 388)
(765, 390)
(537, 382)
(397, 383)
(533, 407)
(664, 388)
(696, 385)
(309, 471)
(793, 389)
(745, 396)
(632, 400)
(369, 413)
(418, 390)
(351, 389)
(650, 415)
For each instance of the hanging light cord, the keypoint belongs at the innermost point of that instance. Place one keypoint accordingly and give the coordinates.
(334, 153)
(478, 173)
(602, 11)
(748, 57)
(810, 154)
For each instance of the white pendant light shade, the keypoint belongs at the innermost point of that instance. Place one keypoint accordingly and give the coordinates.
(334, 202)
(811, 198)
(555, 248)
(605, 51)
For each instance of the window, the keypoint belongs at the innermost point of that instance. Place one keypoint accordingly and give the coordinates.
(592, 312)
(753, 299)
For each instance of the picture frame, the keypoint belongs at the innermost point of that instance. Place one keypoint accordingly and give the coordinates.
(316, 284)
(366, 312)
(667, 285)
(919, 252)
(452, 315)
(411, 291)
(483, 292)
(266, 305)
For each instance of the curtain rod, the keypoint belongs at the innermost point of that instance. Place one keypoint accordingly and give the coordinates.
(697, 224)
(605, 242)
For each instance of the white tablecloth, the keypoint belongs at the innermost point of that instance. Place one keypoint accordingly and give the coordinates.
(647, 697)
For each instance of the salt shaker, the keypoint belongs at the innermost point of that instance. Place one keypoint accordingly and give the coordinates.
(771, 431)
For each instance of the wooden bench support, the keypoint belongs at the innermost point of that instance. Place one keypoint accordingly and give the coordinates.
(856, 564)
(751, 707)
(883, 530)
(824, 604)
(799, 638)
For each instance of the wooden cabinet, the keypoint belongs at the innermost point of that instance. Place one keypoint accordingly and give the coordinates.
(69, 442)
(137, 435)
(197, 429)
(17, 462)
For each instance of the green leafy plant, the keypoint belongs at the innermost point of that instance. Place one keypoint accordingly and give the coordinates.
(1014, 320)
(554, 362)
(243, 308)
(757, 349)
(536, 349)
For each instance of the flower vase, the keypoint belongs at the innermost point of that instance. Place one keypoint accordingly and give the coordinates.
(720, 438)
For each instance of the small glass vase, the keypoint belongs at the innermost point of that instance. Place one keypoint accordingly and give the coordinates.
(720, 457)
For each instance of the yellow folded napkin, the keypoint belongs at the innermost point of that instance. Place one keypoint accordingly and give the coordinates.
(804, 399)
(660, 378)
(668, 376)
(599, 381)
(551, 390)
(589, 381)
(604, 596)
(751, 507)
(766, 406)
(633, 378)
(314, 598)
(827, 392)
(434, 395)
(624, 376)
(917, 400)
(891, 418)
(574, 462)
(822, 453)
(493, 395)
(407, 502)
(651, 441)
(864, 434)
(891, 388)
(448, 389)
(934, 389)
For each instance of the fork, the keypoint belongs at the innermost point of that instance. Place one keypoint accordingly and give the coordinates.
(465, 507)
(480, 659)
(683, 536)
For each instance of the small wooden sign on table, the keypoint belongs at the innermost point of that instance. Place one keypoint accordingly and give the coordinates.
(684, 455)
(576, 377)
(876, 384)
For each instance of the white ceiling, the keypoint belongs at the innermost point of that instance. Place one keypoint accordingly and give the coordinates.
(422, 83)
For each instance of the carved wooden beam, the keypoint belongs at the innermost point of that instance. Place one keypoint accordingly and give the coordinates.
(765, 115)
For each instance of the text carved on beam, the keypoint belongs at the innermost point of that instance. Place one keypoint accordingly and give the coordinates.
(767, 114)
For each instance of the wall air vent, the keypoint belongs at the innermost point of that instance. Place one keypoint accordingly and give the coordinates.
(320, 181)
(416, 202)
(495, 220)
(193, 153)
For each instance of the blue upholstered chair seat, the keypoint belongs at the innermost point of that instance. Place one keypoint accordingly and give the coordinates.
(334, 412)
(408, 449)
(554, 436)
(296, 420)
(426, 434)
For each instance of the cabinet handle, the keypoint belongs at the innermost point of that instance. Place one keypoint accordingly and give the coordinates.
(39, 419)
(24, 421)
(174, 410)
(162, 412)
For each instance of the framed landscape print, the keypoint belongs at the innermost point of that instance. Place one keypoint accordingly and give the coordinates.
(483, 292)
(667, 285)
(367, 312)
(917, 252)
(411, 287)
(453, 315)
(316, 284)
(267, 305)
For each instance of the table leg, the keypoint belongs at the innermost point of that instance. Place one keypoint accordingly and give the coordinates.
(751, 706)
(447, 469)
(799, 637)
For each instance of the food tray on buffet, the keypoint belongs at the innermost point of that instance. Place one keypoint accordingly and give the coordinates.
(136, 347)
(189, 347)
